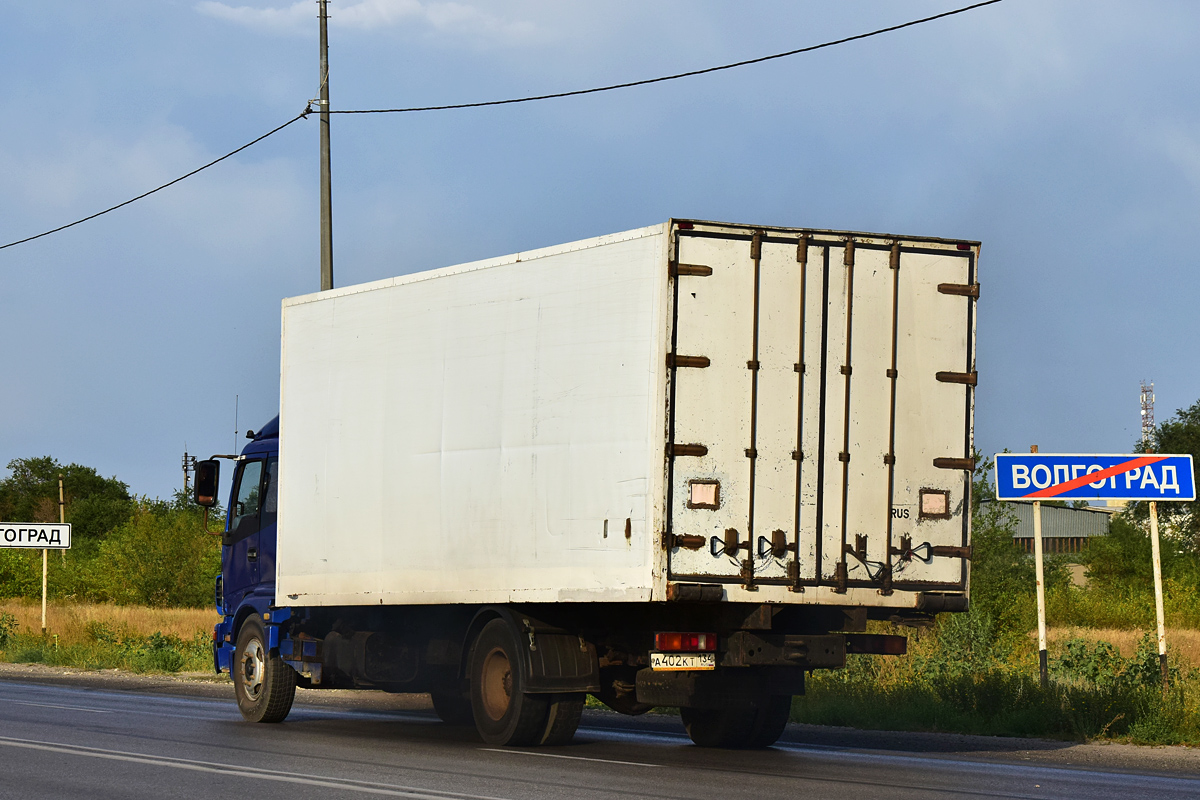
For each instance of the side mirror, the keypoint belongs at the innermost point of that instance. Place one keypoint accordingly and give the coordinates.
(208, 478)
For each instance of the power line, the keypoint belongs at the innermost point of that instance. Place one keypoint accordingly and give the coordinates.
(160, 188)
(511, 101)
(676, 76)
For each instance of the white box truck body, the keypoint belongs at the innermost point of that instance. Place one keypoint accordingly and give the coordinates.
(543, 427)
(677, 466)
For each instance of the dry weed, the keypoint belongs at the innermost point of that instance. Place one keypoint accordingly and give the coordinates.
(1182, 643)
(70, 620)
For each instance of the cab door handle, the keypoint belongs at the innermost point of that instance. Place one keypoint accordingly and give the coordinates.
(252, 554)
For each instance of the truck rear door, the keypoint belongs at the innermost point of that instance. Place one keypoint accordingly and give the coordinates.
(820, 420)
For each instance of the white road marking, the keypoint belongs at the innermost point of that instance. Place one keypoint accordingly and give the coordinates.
(52, 705)
(328, 781)
(573, 758)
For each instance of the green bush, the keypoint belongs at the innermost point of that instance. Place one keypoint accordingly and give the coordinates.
(20, 573)
(8, 626)
(160, 557)
(107, 648)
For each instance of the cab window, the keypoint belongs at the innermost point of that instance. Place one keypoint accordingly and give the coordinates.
(243, 516)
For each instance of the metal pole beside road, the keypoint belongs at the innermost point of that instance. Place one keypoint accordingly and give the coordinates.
(62, 512)
(1156, 558)
(326, 179)
(45, 568)
(1043, 660)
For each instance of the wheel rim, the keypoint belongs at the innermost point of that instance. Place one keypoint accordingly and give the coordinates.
(496, 686)
(253, 666)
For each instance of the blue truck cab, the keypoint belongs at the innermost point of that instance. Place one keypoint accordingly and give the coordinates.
(246, 585)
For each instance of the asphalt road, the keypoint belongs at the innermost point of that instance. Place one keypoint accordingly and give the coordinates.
(77, 741)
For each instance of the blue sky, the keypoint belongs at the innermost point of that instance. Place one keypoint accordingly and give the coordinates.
(1063, 135)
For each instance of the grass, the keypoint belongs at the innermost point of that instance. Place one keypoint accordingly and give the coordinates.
(1104, 685)
(1108, 609)
(1183, 644)
(106, 636)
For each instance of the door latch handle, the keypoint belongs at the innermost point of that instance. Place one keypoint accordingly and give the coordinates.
(252, 554)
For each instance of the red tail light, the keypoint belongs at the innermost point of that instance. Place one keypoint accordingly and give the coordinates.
(685, 642)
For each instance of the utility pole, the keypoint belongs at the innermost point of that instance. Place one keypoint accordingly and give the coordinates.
(189, 465)
(62, 513)
(326, 190)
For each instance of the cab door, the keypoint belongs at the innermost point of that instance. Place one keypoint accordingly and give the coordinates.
(240, 554)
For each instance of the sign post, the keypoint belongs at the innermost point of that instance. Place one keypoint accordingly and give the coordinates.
(1039, 566)
(1156, 557)
(37, 535)
(1151, 477)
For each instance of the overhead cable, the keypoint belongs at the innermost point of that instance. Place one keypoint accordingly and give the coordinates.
(160, 188)
(511, 101)
(676, 76)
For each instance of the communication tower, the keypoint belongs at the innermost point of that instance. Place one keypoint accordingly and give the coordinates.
(189, 466)
(1147, 415)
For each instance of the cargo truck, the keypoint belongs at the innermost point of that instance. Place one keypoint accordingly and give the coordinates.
(678, 466)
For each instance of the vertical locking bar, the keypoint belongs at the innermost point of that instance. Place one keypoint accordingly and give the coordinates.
(894, 263)
(823, 385)
(802, 259)
(671, 372)
(848, 262)
(752, 452)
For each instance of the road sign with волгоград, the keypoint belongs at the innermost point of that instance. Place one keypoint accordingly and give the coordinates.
(1059, 476)
(35, 535)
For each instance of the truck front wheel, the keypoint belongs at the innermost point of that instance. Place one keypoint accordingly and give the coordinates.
(504, 713)
(264, 686)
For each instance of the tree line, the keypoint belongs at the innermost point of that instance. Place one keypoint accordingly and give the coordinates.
(124, 549)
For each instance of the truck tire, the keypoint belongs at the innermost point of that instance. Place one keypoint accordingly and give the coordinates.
(729, 728)
(263, 685)
(504, 714)
(452, 708)
(770, 721)
(738, 728)
(563, 719)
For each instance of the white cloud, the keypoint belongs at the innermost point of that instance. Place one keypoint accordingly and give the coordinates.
(447, 17)
(278, 20)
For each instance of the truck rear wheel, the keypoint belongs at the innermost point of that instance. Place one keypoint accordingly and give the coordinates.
(737, 728)
(504, 714)
(563, 719)
(770, 721)
(452, 708)
(263, 685)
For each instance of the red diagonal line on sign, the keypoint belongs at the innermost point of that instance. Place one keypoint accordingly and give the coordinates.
(1075, 483)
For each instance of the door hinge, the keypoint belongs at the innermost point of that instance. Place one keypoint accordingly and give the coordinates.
(968, 378)
(961, 289)
(697, 270)
(696, 362)
(967, 464)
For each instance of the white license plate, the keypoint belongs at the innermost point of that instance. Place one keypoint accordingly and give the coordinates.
(683, 661)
